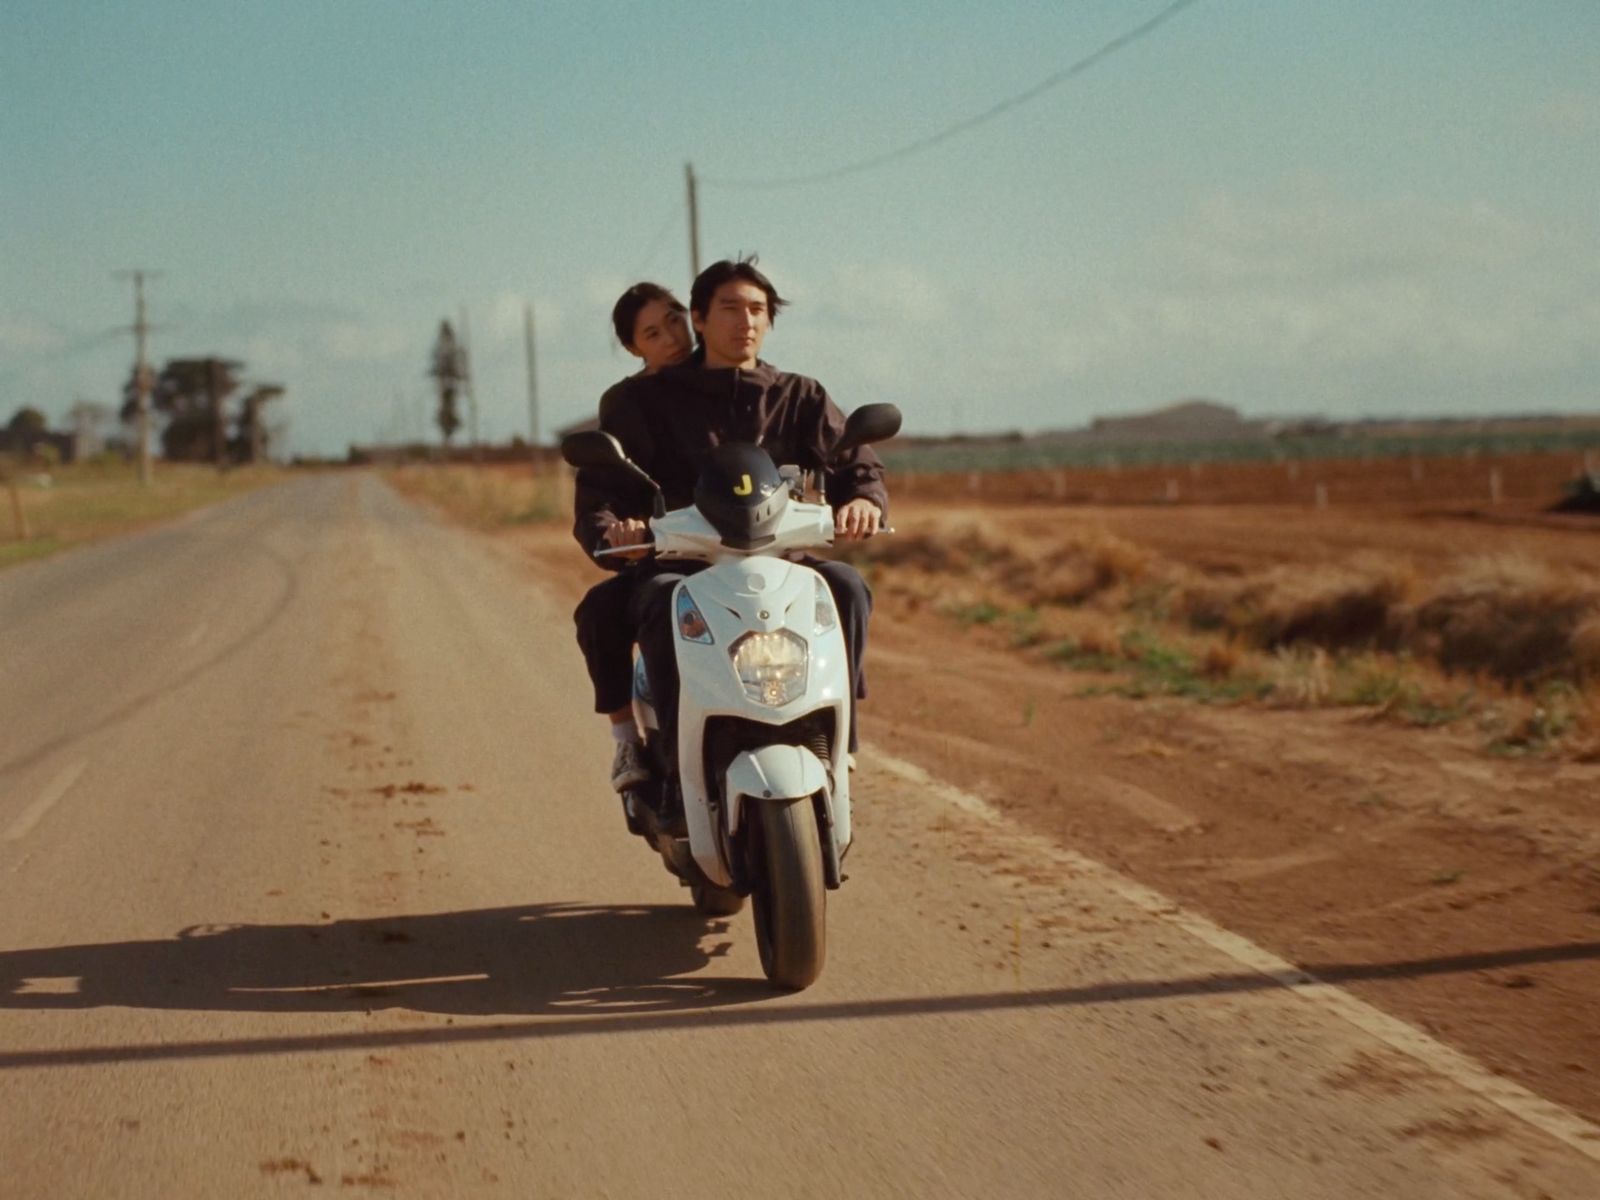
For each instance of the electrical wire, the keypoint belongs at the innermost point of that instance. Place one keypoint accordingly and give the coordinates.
(72, 349)
(659, 240)
(1060, 77)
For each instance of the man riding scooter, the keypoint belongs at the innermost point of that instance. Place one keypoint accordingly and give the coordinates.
(668, 423)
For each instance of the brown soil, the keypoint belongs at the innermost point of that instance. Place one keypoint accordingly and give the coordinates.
(1500, 482)
(1458, 891)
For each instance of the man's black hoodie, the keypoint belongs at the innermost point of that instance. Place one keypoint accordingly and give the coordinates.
(670, 421)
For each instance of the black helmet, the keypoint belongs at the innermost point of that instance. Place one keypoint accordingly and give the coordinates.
(741, 493)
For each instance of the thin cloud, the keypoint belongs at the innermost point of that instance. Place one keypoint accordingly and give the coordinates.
(367, 342)
(21, 335)
(1571, 113)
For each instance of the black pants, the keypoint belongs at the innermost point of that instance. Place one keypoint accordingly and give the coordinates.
(606, 627)
(635, 606)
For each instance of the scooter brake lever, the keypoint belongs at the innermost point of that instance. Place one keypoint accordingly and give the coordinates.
(606, 551)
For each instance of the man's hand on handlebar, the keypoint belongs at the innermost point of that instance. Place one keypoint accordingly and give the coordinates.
(859, 519)
(630, 532)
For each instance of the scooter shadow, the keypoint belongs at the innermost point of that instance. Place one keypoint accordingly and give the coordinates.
(568, 958)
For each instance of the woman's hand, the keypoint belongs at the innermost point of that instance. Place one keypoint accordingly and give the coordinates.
(631, 532)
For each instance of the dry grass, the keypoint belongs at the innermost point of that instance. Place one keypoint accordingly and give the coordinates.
(1301, 677)
(1332, 606)
(1515, 619)
(1221, 659)
(1586, 645)
(488, 497)
(68, 506)
(1510, 640)
(1080, 569)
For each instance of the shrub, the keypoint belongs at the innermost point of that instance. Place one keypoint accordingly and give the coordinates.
(1516, 620)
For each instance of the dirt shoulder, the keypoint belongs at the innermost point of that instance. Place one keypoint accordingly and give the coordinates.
(1457, 891)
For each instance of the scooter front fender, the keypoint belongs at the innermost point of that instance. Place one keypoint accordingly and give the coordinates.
(775, 772)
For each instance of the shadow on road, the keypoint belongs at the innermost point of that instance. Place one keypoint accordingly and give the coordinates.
(579, 970)
(571, 958)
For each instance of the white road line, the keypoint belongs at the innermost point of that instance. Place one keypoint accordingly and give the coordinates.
(30, 816)
(1544, 1115)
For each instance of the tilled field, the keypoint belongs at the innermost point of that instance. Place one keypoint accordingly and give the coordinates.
(1515, 483)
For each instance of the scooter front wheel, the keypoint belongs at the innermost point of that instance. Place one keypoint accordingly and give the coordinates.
(790, 900)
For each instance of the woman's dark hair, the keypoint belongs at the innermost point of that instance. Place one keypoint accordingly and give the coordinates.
(719, 273)
(625, 313)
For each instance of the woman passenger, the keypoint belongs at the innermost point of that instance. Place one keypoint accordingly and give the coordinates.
(653, 326)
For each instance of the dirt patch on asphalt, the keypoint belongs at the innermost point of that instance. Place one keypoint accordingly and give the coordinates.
(1455, 889)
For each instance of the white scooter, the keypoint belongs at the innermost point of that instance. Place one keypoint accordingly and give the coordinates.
(760, 803)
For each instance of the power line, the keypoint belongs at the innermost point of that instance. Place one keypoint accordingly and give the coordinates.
(72, 349)
(1060, 77)
(659, 240)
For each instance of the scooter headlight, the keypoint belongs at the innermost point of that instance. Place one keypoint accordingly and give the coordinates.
(772, 666)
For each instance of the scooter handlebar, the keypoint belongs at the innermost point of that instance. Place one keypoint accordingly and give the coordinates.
(606, 551)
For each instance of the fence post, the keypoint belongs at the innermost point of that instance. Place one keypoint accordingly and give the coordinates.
(19, 515)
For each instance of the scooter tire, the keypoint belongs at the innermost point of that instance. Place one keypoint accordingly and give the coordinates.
(790, 900)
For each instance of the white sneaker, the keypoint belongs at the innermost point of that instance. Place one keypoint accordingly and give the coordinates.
(628, 767)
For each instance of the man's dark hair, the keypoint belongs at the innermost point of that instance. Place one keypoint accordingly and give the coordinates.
(719, 273)
(625, 313)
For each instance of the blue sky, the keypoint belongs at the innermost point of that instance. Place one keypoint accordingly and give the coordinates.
(1352, 209)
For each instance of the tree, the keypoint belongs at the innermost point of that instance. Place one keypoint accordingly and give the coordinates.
(449, 370)
(192, 395)
(251, 434)
(28, 420)
(192, 399)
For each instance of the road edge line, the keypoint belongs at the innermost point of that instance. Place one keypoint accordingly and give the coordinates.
(1527, 1106)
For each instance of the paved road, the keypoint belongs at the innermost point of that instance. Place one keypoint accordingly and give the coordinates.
(308, 875)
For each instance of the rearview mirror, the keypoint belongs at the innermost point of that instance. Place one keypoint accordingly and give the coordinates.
(592, 448)
(869, 423)
(597, 448)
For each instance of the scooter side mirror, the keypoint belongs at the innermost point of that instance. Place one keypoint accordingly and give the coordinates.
(595, 448)
(867, 424)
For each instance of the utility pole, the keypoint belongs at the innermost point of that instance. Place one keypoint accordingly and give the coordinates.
(216, 392)
(141, 370)
(472, 391)
(533, 384)
(694, 223)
